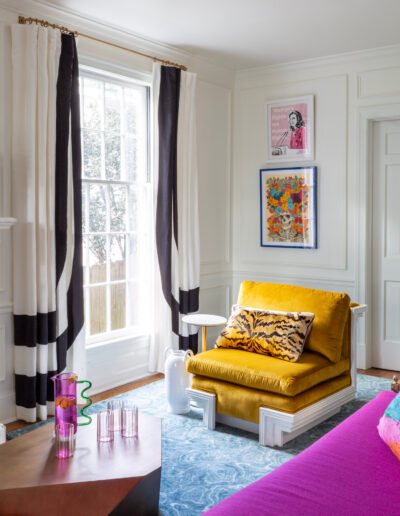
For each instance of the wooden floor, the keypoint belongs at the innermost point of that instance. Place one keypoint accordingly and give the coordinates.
(16, 425)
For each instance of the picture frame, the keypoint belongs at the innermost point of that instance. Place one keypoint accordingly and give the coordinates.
(288, 207)
(290, 129)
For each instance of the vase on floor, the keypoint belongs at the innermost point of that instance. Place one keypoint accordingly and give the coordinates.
(177, 379)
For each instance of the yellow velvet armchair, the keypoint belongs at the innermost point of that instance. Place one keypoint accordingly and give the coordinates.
(275, 398)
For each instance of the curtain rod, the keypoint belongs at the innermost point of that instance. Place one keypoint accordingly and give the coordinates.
(22, 20)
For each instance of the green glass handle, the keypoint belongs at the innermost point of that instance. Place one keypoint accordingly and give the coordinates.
(89, 402)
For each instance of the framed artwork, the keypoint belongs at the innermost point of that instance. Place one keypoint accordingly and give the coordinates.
(288, 207)
(290, 129)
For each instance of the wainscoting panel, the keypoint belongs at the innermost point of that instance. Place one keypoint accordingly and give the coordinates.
(379, 82)
(114, 364)
(214, 137)
(215, 299)
(392, 311)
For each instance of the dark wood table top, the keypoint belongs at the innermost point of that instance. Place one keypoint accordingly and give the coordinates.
(30, 461)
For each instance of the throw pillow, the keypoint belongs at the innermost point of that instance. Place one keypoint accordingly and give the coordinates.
(278, 334)
(389, 426)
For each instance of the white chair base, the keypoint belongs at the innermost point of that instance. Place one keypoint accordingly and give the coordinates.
(275, 428)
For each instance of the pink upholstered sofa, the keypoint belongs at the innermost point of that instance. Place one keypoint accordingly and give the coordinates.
(348, 472)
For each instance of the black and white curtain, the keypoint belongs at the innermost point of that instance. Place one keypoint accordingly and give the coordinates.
(47, 238)
(177, 267)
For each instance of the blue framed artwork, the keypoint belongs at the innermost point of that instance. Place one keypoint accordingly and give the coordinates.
(288, 207)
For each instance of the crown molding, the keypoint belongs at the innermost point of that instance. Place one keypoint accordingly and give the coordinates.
(317, 62)
(93, 26)
(118, 35)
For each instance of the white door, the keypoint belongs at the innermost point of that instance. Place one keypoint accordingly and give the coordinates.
(386, 245)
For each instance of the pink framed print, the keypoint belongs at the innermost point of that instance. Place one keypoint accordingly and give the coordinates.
(290, 129)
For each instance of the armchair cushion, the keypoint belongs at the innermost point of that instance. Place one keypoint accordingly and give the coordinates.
(278, 334)
(266, 373)
(330, 308)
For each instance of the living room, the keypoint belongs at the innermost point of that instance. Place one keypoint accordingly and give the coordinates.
(339, 59)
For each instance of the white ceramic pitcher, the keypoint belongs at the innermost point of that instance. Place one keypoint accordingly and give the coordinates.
(177, 379)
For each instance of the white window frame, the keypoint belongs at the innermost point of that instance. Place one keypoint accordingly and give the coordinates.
(96, 69)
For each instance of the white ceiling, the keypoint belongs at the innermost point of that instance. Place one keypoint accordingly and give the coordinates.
(246, 33)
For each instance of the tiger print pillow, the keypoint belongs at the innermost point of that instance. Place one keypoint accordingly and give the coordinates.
(278, 334)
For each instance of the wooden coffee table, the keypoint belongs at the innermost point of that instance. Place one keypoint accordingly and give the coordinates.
(120, 477)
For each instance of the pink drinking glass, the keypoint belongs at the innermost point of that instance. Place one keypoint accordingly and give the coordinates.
(105, 426)
(65, 442)
(116, 406)
(130, 422)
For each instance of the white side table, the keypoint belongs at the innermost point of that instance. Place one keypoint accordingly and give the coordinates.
(204, 320)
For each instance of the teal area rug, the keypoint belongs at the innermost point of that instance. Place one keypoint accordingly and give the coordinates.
(201, 467)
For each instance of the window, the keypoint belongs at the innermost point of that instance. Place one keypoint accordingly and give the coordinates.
(116, 197)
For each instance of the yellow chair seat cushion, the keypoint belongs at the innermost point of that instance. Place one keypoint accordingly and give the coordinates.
(264, 372)
(330, 308)
(244, 403)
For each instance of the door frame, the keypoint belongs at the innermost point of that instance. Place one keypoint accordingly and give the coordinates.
(366, 117)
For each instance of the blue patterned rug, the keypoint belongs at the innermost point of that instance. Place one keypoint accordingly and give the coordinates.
(200, 467)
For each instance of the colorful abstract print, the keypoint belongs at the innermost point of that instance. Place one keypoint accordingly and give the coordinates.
(278, 334)
(389, 426)
(287, 199)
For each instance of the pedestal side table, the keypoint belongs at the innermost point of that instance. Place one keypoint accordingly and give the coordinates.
(204, 320)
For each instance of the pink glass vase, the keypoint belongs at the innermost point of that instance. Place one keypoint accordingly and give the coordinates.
(65, 400)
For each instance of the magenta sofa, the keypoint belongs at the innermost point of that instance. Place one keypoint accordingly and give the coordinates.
(348, 472)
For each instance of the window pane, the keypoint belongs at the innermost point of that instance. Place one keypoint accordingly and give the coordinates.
(118, 208)
(131, 99)
(113, 156)
(92, 103)
(113, 104)
(134, 309)
(97, 208)
(98, 309)
(118, 306)
(117, 258)
(84, 229)
(133, 256)
(137, 211)
(97, 259)
(91, 153)
(85, 259)
(131, 159)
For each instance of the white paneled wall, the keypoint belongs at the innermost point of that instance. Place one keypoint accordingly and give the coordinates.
(214, 150)
(346, 89)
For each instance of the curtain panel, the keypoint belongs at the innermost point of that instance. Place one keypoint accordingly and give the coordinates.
(177, 242)
(47, 238)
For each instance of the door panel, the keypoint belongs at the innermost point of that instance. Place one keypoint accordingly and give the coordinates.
(386, 245)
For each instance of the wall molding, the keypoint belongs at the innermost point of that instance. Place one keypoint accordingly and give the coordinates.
(119, 35)
(7, 222)
(310, 282)
(7, 408)
(2, 352)
(378, 70)
(319, 62)
(283, 276)
(366, 117)
(6, 308)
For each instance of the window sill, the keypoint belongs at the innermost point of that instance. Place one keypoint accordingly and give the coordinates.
(113, 339)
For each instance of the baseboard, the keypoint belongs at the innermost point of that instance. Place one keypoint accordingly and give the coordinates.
(117, 383)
